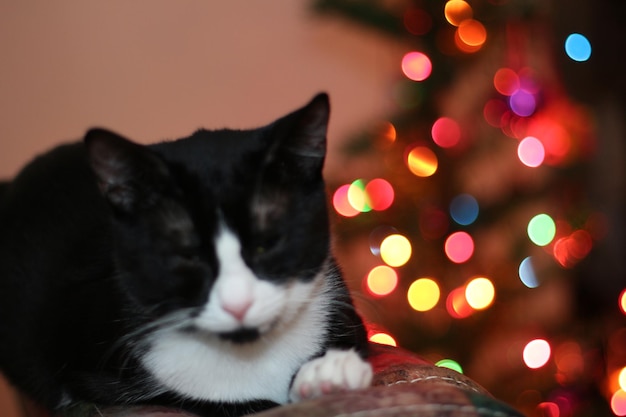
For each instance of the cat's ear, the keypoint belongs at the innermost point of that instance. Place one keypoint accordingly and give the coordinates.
(301, 137)
(126, 172)
(308, 134)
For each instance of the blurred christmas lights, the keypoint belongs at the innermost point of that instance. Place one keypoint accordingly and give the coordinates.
(450, 364)
(381, 280)
(522, 103)
(578, 47)
(341, 203)
(527, 273)
(446, 132)
(537, 353)
(422, 161)
(379, 194)
(459, 247)
(622, 379)
(480, 293)
(506, 81)
(622, 304)
(416, 66)
(457, 11)
(618, 403)
(395, 250)
(423, 294)
(522, 110)
(531, 152)
(457, 305)
(351, 199)
(464, 209)
(541, 229)
(383, 339)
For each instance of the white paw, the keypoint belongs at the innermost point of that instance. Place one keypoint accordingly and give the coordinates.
(337, 370)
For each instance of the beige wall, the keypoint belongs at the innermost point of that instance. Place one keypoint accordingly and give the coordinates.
(155, 69)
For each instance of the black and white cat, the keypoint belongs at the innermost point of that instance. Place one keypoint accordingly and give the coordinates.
(194, 273)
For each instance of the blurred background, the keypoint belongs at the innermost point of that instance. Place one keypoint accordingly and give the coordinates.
(476, 156)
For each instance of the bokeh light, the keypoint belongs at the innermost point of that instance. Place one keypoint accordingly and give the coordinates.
(387, 132)
(457, 11)
(618, 403)
(527, 273)
(522, 103)
(383, 339)
(622, 305)
(464, 209)
(556, 140)
(472, 33)
(450, 364)
(395, 250)
(423, 294)
(433, 223)
(622, 379)
(358, 197)
(494, 111)
(457, 305)
(571, 249)
(459, 247)
(548, 409)
(531, 152)
(578, 47)
(378, 235)
(417, 21)
(381, 280)
(416, 66)
(379, 194)
(541, 229)
(480, 293)
(537, 353)
(422, 161)
(341, 204)
(446, 132)
(506, 81)
(569, 361)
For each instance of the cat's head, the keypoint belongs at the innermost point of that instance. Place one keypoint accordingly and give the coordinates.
(229, 227)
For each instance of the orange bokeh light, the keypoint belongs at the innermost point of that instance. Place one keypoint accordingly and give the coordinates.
(457, 11)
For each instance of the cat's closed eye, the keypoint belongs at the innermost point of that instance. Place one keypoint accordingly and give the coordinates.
(269, 243)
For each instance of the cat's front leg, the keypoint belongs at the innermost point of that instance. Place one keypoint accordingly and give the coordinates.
(337, 370)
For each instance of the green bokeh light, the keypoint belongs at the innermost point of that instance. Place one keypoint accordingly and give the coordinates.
(450, 364)
(541, 229)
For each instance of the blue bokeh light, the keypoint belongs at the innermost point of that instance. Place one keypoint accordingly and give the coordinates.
(527, 273)
(578, 47)
(464, 209)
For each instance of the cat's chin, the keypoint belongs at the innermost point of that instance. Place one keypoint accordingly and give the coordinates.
(241, 336)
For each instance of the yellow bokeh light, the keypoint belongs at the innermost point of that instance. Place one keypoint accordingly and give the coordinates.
(382, 280)
(622, 379)
(395, 250)
(422, 161)
(456, 11)
(423, 294)
(480, 293)
(358, 197)
(383, 339)
(622, 301)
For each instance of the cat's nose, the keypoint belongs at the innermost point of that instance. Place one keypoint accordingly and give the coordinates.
(237, 308)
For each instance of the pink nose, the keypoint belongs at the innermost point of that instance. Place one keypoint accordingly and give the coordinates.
(237, 309)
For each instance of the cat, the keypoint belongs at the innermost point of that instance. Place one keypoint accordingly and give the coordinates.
(195, 273)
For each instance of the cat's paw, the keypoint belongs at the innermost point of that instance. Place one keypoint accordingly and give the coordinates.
(336, 371)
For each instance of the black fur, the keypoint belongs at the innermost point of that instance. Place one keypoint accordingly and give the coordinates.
(100, 238)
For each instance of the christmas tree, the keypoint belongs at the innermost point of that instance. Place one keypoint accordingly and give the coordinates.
(486, 232)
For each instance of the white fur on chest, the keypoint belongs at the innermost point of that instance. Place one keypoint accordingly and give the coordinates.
(202, 366)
